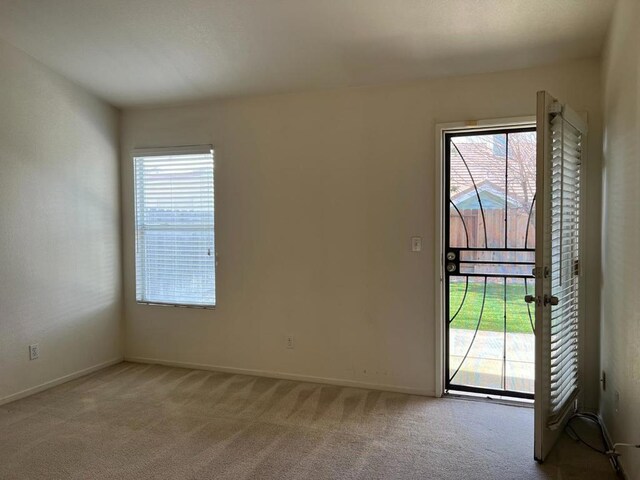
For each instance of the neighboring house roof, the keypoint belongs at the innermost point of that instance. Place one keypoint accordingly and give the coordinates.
(487, 165)
(492, 197)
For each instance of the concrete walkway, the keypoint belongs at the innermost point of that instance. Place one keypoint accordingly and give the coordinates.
(485, 366)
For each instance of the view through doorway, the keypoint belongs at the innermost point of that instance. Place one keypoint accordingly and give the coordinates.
(489, 249)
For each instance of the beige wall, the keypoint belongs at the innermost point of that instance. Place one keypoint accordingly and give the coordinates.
(59, 227)
(318, 195)
(621, 228)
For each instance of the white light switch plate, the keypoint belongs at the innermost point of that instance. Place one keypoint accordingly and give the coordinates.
(416, 244)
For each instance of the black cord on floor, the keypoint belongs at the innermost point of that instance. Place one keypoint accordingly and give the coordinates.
(574, 435)
(595, 419)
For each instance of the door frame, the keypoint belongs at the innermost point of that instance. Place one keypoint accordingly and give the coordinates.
(441, 129)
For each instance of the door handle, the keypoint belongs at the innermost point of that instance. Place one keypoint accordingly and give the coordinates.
(550, 300)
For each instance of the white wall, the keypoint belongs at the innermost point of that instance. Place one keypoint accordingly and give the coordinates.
(621, 229)
(318, 195)
(60, 276)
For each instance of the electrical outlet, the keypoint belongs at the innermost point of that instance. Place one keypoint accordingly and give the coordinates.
(34, 351)
(289, 341)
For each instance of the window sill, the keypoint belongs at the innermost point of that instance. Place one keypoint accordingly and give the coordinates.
(177, 305)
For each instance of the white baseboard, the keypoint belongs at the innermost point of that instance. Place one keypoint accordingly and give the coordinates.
(57, 381)
(285, 376)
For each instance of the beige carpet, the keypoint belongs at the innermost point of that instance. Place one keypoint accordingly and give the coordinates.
(136, 421)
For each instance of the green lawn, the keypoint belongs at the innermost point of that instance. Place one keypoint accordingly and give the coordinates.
(494, 307)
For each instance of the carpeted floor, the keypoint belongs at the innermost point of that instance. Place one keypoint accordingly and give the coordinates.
(135, 421)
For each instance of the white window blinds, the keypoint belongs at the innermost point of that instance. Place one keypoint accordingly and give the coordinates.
(175, 247)
(566, 156)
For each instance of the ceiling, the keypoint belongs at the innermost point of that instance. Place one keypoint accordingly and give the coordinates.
(148, 52)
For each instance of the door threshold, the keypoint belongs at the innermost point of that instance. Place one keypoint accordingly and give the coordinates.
(490, 397)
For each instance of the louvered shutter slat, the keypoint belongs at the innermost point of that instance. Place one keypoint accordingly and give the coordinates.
(565, 226)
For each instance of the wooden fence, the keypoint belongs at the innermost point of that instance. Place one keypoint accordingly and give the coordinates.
(495, 229)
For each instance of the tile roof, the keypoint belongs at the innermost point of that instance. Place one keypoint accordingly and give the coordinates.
(486, 161)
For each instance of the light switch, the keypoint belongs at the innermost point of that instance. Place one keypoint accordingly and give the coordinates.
(416, 244)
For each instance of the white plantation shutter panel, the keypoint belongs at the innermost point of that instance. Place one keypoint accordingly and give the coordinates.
(566, 159)
(559, 299)
(175, 241)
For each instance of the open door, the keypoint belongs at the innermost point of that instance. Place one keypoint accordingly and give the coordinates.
(561, 140)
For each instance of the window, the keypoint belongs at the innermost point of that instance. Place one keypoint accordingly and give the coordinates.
(175, 248)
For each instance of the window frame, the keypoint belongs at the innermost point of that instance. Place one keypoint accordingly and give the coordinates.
(177, 151)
